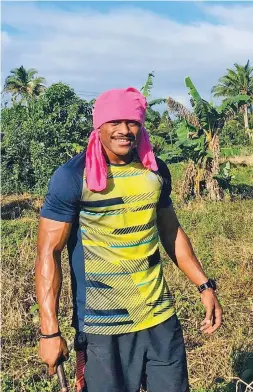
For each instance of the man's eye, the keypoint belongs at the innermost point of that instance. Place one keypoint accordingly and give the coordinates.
(133, 124)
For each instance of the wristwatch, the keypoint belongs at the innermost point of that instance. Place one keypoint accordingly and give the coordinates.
(210, 284)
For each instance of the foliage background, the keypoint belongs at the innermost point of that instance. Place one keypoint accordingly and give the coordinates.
(41, 136)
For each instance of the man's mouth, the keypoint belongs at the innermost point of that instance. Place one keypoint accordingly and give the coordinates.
(123, 141)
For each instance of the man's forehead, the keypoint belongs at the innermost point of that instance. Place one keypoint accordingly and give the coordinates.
(119, 121)
(119, 105)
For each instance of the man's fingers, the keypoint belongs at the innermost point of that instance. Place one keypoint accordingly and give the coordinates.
(65, 352)
(213, 316)
(217, 322)
(65, 355)
(51, 370)
(218, 316)
(208, 321)
(211, 329)
(206, 324)
(209, 314)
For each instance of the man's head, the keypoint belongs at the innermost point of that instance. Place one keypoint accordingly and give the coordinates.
(119, 115)
(120, 136)
(118, 120)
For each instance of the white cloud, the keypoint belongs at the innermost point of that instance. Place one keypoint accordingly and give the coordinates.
(236, 15)
(94, 51)
(5, 38)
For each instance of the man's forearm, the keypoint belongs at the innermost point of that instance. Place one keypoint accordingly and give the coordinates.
(178, 247)
(48, 277)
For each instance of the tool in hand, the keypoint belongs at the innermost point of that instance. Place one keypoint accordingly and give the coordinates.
(62, 378)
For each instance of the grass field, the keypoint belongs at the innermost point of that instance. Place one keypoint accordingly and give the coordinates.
(222, 236)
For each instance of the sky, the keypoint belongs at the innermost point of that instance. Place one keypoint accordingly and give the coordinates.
(94, 46)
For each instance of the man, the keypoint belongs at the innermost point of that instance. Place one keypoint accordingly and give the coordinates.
(109, 205)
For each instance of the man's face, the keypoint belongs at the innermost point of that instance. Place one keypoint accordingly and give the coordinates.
(119, 137)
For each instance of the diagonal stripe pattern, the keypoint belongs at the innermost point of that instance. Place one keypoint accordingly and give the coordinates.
(124, 284)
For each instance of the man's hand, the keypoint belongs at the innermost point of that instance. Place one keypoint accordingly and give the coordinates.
(52, 350)
(213, 317)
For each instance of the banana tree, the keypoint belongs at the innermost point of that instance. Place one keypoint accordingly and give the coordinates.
(159, 125)
(198, 137)
(153, 117)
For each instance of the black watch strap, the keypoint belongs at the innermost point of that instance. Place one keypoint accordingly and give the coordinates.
(210, 284)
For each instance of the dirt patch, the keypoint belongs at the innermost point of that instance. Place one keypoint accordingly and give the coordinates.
(246, 160)
(14, 206)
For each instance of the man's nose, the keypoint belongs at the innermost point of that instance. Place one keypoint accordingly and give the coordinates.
(124, 127)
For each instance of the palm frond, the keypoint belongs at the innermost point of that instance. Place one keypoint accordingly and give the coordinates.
(31, 72)
(21, 82)
(236, 81)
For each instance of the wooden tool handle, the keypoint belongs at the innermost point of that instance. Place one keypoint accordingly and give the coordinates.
(62, 378)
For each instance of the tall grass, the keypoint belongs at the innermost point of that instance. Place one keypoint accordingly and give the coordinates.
(222, 236)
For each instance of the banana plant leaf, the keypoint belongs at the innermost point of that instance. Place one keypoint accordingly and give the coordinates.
(192, 89)
(233, 102)
(157, 101)
(146, 89)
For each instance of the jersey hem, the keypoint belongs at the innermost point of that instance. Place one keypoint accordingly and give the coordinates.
(147, 325)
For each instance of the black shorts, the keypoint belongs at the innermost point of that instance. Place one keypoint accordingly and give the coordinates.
(154, 358)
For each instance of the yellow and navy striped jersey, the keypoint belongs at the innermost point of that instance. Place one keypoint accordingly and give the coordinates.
(117, 278)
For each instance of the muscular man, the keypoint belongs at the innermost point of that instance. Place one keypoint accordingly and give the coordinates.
(110, 205)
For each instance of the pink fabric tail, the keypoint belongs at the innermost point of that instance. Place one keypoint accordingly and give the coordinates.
(96, 167)
(80, 368)
(145, 151)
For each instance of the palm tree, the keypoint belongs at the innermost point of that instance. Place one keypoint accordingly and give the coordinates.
(23, 83)
(198, 134)
(237, 81)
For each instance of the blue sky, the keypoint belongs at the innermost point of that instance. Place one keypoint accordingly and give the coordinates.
(95, 46)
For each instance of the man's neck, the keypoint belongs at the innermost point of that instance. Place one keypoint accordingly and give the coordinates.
(118, 159)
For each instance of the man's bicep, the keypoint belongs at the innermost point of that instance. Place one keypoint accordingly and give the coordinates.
(167, 221)
(53, 235)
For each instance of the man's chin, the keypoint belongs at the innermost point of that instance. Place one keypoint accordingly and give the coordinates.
(123, 151)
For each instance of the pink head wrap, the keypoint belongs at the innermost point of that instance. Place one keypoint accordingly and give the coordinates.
(118, 104)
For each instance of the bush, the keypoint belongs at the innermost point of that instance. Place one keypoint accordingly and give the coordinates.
(233, 134)
(42, 136)
(17, 171)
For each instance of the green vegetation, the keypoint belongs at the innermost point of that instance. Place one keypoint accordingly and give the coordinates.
(222, 235)
(198, 138)
(237, 81)
(24, 85)
(41, 136)
(210, 158)
(43, 127)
